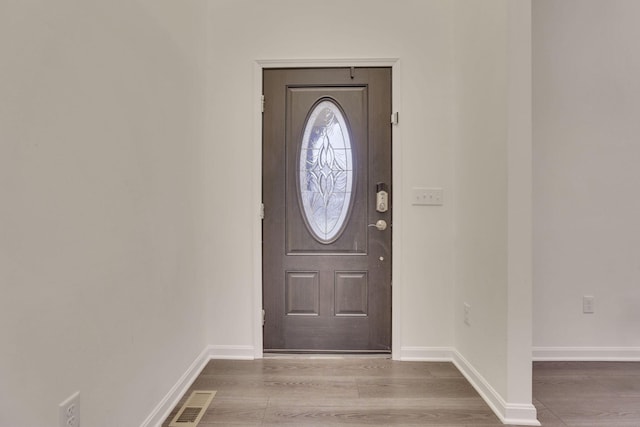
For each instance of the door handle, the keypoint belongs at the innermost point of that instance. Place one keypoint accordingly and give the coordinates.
(380, 224)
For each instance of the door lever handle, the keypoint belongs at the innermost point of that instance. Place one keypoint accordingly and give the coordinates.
(380, 224)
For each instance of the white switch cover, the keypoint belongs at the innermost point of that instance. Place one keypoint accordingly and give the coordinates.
(69, 411)
(427, 196)
(467, 314)
(588, 304)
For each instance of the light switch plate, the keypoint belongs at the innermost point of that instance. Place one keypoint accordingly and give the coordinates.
(69, 411)
(427, 196)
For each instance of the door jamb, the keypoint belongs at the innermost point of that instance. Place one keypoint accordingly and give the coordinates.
(256, 190)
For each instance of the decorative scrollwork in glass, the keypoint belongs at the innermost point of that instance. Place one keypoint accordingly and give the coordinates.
(326, 172)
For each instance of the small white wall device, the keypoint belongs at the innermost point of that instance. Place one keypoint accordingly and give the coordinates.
(382, 197)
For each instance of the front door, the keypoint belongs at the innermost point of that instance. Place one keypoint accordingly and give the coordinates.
(327, 225)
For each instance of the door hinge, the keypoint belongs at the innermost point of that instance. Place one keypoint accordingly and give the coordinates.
(263, 316)
(394, 118)
(262, 103)
(261, 210)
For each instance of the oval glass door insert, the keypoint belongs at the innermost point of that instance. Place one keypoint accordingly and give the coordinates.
(326, 172)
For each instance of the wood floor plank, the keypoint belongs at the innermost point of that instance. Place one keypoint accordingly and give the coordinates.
(597, 411)
(620, 386)
(578, 386)
(335, 367)
(420, 403)
(443, 369)
(353, 423)
(413, 388)
(234, 367)
(247, 412)
(273, 386)
(396, 415)
(608, 369)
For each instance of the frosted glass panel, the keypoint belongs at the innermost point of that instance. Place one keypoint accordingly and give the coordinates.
(325, 173)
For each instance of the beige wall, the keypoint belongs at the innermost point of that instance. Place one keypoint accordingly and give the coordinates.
(101, 118)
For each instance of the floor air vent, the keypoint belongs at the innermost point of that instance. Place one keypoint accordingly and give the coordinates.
(192, 411)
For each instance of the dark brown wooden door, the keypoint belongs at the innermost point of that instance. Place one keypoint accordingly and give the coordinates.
(326, 153)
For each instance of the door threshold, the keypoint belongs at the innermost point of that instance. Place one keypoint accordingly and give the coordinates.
(304, 354)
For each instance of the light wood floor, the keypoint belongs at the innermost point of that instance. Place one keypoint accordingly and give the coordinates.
(603, 394)
(378, 391)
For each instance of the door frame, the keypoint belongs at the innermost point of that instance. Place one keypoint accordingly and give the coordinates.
(256, 188)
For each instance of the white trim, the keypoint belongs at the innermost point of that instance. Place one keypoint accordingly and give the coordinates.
(427, 354)
(509, 413)
(257, 203)
(397, 221)
(320, 63)
(163, 409)
(396, 245)
(596, 354)
(520, 414)
(236, 352)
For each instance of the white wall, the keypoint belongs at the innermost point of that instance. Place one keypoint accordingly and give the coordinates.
(586, 153)
(417, 32)
(481, 187)
(493, 200)
(101, 119)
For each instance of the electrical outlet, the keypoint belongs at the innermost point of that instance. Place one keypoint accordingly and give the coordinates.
(588, 304)
(69, 411)
(467, 314)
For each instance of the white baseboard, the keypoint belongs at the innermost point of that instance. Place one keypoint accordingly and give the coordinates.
(162, 411)
(426, 354)
(596, 354)
(238, 352)
(508, 413)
